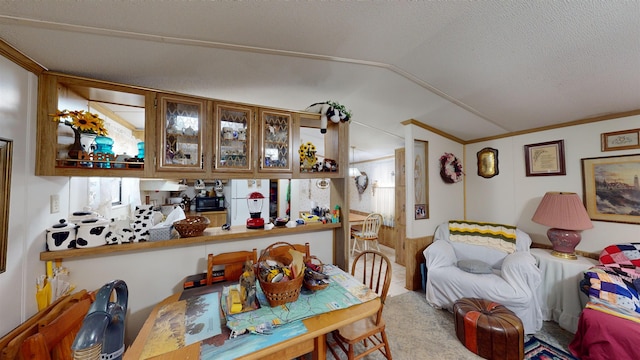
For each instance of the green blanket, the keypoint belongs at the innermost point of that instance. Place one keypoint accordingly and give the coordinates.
(497, 236)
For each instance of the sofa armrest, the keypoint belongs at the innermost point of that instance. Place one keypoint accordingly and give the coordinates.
(521, 271)
(439, 254)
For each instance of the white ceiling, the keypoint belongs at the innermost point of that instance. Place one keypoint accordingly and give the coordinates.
(469, 68)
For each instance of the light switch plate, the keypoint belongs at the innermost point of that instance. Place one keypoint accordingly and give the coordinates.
(54, 204)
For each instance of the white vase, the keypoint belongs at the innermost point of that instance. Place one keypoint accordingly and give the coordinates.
(88, 142)
(88, 145)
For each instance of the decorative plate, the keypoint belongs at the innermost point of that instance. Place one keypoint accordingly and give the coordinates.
(322, 183)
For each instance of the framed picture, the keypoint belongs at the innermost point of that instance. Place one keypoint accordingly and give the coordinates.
(488, 162)
(611, 188)
(545, 159)
(620, 140)
(6, 146)
(420, 180)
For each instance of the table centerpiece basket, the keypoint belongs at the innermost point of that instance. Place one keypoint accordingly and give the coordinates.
(280, 276)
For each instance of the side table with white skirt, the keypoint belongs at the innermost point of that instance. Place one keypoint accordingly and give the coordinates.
(559, 294)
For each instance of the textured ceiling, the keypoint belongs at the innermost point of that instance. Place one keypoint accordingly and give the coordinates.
(469, 68)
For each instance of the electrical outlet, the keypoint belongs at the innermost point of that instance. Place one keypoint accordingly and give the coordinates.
(54, 203)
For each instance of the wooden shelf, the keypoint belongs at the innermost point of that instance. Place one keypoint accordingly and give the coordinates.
(210, 235)
(97, 164)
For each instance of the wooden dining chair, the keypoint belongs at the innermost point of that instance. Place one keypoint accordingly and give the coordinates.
(281, 250)
(54, 340)
(368, 233)
(11, 344)
(374, 270)
(233, 264)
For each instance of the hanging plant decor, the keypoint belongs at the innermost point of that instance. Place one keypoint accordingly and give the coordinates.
(450, 168)
(362, 182)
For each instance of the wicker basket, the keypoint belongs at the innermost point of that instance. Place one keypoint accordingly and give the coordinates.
(310, 285)
(191, 226)
(279, 293)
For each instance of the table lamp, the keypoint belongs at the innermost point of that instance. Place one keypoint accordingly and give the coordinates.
(566, 215)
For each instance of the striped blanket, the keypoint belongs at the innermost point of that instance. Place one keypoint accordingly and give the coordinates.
(497, 236)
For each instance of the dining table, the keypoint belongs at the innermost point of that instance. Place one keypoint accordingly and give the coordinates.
(355, 222)
(313, 340)
(356, 219)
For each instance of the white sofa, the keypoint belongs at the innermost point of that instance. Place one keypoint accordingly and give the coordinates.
(513, 279)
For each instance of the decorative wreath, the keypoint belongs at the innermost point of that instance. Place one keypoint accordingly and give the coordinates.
(450, 168)
(362, 181)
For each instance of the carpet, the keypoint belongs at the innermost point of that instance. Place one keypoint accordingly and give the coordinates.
(536, 349)
(418, 331)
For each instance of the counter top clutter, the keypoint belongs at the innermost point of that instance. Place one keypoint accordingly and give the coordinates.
(88, 229)
(212, 234)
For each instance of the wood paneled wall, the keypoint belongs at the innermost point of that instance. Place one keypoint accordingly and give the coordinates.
(414, 257)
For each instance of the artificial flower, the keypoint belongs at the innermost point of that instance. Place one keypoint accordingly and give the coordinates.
(84, 122)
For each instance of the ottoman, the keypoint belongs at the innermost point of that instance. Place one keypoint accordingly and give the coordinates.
(489, 329)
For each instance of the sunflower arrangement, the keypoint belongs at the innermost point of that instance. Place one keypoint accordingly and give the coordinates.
(82, 121)
(307, 153)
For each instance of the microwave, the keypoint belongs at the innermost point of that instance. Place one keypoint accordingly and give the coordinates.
(209, 203)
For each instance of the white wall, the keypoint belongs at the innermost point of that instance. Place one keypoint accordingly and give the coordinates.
(446, 201)
(512, 197)
(29, 199)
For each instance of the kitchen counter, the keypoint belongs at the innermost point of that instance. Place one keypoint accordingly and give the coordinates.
(211, 235)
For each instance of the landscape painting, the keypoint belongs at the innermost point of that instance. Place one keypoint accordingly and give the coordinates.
(612, 188)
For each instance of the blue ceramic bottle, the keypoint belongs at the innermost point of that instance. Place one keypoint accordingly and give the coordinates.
(104, 145)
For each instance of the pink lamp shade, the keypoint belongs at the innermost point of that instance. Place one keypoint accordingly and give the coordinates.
(566, 215)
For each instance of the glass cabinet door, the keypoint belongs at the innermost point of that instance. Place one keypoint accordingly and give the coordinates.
(182, 129)
(275, 141)
(233, 129)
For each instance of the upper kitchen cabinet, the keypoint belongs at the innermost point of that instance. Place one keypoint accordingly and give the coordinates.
(182, 125)
(275, 141)
(91, 128)
(129, 131)
(318, 155)
(234, 126)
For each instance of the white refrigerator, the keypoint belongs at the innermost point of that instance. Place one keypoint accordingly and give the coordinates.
(238, 191)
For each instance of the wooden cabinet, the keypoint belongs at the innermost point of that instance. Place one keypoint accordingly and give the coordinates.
(181, 128)
(275, 141)
(234, 138)
(216, 218)
(185, 136)
(331, 149)
(54, 140)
